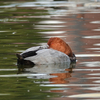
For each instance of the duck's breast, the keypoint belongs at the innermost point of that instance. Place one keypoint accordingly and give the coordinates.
(48, 56)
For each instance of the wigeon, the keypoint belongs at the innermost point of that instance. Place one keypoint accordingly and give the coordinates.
(55, 51)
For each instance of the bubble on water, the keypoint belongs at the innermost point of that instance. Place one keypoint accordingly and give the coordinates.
(14, 33)
(28, 90)
(16, 45)
(48, 95)
(40, 89)
(4, 57)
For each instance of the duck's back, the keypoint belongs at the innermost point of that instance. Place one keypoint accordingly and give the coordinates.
(48, 56)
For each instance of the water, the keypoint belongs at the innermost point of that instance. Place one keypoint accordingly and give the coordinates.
(26, 24)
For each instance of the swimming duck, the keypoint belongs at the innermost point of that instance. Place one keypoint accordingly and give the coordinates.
(55, 51)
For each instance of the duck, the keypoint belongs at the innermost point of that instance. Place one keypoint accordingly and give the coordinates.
(55, 51)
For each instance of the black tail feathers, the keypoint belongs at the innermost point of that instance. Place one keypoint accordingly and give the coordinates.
(21, 63)
(19, 56)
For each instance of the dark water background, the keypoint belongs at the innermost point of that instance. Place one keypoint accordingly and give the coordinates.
(24, 24)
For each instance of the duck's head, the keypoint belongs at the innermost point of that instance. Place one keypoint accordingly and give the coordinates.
(60, 45)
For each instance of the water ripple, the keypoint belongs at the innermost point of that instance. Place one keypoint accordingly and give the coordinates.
(92, 37)
(88, 95)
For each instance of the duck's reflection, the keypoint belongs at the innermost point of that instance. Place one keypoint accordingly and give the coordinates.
(55, 73)
(46, 69)
(62, 78)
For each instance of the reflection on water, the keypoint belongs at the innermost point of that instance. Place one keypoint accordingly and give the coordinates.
(26, 24)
